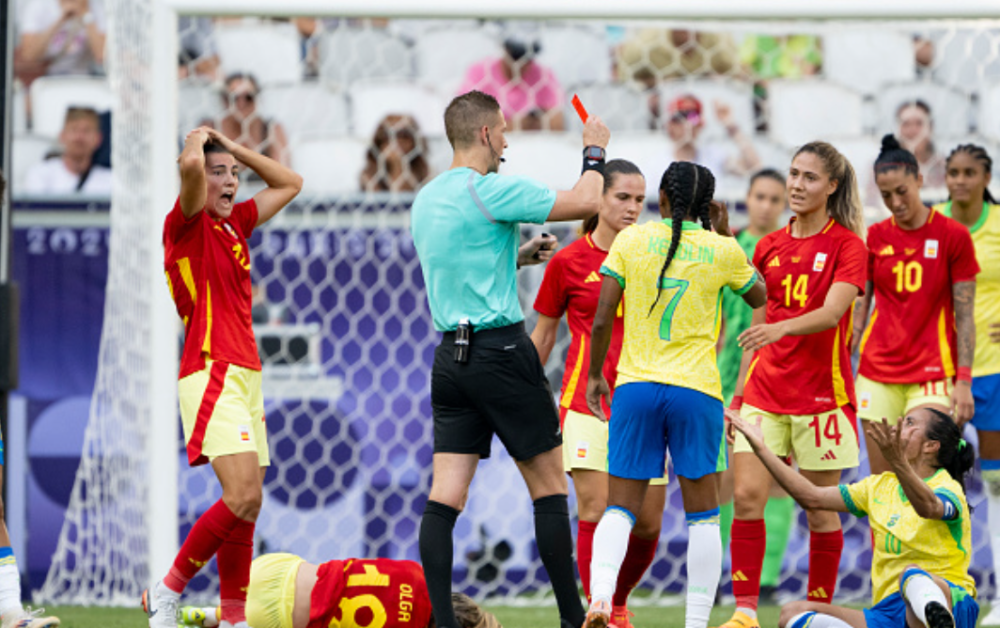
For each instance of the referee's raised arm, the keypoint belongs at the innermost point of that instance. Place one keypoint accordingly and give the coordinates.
(584, 199)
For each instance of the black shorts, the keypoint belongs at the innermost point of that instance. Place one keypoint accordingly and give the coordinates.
(501, 390)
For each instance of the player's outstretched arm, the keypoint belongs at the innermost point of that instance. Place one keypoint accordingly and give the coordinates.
(584, 200)
(283, 184)
(194, 191)
(887, 437)
(807, 494)
(838, 299)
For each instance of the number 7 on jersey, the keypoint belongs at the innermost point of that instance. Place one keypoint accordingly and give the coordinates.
(668, 283)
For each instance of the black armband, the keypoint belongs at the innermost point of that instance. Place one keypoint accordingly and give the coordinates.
(593, 159)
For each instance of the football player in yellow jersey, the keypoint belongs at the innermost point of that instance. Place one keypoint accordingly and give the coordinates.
(668, 393)
(968, 174)
(920, 523)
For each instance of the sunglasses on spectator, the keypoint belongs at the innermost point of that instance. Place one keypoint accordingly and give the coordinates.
(691, 116)
(247, 97)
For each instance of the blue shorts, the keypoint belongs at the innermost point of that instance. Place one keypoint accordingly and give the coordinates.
(891, 612)
(986, 392)
(647, 418)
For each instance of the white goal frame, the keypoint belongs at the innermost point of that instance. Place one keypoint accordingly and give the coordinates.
(162, 515)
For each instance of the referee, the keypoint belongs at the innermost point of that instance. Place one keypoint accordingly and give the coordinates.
(466, 228)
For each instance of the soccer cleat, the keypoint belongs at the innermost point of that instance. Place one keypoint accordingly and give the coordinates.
(161, 609)
(938, 616)
(29, 618)
(740, 620)
(992, 618)
(598, 616)
(621, 617)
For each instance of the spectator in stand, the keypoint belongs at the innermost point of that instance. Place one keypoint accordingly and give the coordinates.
(684, 124)
(914, 129)
(396, 159)
(529, 94)
(245, 126)
(65, 36)
(74, 171)
(199, 57)
(652, 55)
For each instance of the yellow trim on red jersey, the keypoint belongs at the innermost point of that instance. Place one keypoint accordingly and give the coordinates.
(574, 379)
(589, 241)
(753, 365)
(946, 360)
(868, 331)
(839, 387)
(184, 267)
(206, 347)
(829, 225)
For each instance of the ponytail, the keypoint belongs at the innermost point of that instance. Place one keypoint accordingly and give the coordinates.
(844, 205)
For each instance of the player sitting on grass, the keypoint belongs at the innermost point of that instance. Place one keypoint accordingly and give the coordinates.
(919, 516)
(285, 591)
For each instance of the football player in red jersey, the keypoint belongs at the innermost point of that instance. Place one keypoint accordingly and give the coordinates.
(922, 275)
(207, 263)
(285, 591)
(572, 286)
(796, 372)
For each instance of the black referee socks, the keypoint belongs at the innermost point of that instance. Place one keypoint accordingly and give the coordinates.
(555, 547)
(436, 549)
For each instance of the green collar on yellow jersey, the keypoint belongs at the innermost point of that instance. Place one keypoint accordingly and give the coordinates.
(946, 210)
(686, 225)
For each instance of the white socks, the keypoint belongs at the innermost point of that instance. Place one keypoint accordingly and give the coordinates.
(813, 619)
(704, 566)
(10, 583)
(919, 590)
(610, 546)
(991, 480)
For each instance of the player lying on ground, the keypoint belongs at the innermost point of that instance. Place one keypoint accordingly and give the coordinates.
(919, 516)
(287, 592)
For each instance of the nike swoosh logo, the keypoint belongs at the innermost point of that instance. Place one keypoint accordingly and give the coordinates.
(152, 613)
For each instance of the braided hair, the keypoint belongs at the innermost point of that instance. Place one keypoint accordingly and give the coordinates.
(893, 156)
(955, 455)
(689, 188)
(979, 154)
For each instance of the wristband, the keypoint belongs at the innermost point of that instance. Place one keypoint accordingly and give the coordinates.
(964, 374)
(593, 159)
(736, 403)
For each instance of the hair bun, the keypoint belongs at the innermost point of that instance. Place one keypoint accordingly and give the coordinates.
(889, 142)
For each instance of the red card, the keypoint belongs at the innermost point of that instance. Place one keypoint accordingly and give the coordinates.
(580, 111)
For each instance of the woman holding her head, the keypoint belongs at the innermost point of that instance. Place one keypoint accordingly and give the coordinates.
(920, 521)
(796, 375)
(968, 173)
(572, 286)
(921, 273)
(668, 393)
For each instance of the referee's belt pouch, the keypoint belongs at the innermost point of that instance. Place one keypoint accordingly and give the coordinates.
(463, 342)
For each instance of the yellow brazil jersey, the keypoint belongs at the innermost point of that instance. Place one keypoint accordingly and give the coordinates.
(986, 238)
(675, 343)
(903, 537)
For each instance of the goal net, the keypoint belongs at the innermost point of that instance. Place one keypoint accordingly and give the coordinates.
(354, 104)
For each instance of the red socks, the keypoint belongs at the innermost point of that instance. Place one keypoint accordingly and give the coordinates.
(235, 557)
(585, 551)
(748, 543)
(204, 539)
(825, 549)
(638, 558)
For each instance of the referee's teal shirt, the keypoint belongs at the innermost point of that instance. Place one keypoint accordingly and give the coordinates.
(466, 231)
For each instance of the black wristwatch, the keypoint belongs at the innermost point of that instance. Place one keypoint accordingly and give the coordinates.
(594, 152)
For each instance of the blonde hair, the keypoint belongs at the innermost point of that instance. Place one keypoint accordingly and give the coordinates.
(844, 205)
(471, 615)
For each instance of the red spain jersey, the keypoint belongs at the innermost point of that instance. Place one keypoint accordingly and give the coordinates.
(910, 337)
(572, 285)
(802, 375)
(207, 263)
(360, 593)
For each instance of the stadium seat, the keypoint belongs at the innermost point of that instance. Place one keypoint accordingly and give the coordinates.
(646, 149)
(26, 151)
(329, 165)
(19, 109)
(950, 107)
(306, 110)
(848, 55)
(197, 101)
(552, 158)
(736, 94)
(806, 110)
(622, 107)
(439, 66)
(349, 54)
(989, 120)
(576, 54)
(372, 100)
(440, 154)
(52, 95)
(861, 151)
(271, 52)
(964, 57)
